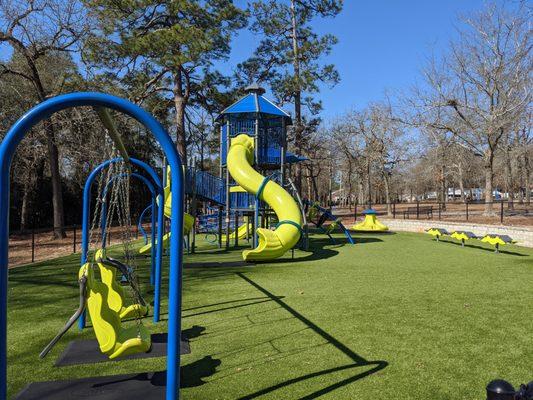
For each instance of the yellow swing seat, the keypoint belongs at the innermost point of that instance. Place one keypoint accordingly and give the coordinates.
(114, 340)
(116, 296)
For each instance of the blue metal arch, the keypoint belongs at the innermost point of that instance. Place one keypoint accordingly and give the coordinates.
(149, 207)
(160, 222)
(7, 149)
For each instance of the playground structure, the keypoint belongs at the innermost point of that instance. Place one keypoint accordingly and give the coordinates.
(241, 192)
(118, 341)
(492, 239)
(370, 223)
(253, 132)
(269, 244)
(251, 174)
(253, 139)
(107, 171)
(100, 293)
(318, 215)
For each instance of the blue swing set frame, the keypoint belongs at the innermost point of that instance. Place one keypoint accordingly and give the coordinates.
(7, 150)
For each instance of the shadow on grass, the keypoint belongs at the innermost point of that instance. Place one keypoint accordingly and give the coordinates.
(216, 264)
(193, 332)
(250, 302)
(474, 246)
(378, 233)
(358, 361)
(321, 249)
(191, 375)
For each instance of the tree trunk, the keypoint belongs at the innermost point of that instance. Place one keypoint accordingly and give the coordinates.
(461, 182)
(55, 176)
(25, 207)
(443, 191)
(368, 188)
(527, 178)
(350, 185)
(314, 185)
(386, 185)
(179, 104)
(489, 177)
(509, 179)
(298, 128)
(360, 192)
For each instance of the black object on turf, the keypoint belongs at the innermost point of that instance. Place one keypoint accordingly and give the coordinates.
(88, 351)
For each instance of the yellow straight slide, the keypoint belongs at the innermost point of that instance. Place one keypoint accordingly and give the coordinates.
(242, 231)
(272, 244)
(188, 222)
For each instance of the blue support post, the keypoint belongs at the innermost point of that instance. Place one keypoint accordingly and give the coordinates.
(159, 258)
(153, 250)
(256, 223)
(140, 222)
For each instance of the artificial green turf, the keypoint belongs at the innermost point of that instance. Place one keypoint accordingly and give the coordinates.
(392, 317)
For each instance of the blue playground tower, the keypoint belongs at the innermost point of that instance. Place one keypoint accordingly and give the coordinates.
(261, 119)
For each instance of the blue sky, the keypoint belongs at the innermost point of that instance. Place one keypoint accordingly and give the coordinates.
(382, 46)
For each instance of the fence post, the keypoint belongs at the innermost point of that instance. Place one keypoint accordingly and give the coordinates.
(393, 210)
(355, 213)
(439, 210)
(33, 244)
(417, 209)
(501, 212)
(466, 203)
(74, 240)
(236, 229)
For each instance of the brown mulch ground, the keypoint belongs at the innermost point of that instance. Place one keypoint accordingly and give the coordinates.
(46, 247)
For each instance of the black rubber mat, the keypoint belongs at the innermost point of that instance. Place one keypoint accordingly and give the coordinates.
(144, 386)
(88, 351)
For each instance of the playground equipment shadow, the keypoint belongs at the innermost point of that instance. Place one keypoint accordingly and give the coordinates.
(483, 248)
(391, 317)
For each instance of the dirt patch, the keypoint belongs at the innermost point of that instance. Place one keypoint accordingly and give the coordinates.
(45, 247)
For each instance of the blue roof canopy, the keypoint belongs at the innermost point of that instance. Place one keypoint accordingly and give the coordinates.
(255, 102)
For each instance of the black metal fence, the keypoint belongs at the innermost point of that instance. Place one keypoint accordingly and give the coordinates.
(503, 212)
(40, 244)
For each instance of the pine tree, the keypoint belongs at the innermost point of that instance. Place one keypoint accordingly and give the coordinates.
(164, 46)
(289, 57)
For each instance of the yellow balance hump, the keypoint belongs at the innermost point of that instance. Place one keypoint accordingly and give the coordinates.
(272, 244)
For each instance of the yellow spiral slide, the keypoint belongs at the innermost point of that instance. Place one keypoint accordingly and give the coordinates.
(272, 244)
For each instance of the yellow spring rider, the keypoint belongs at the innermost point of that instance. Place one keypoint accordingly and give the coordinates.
(370, 223)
